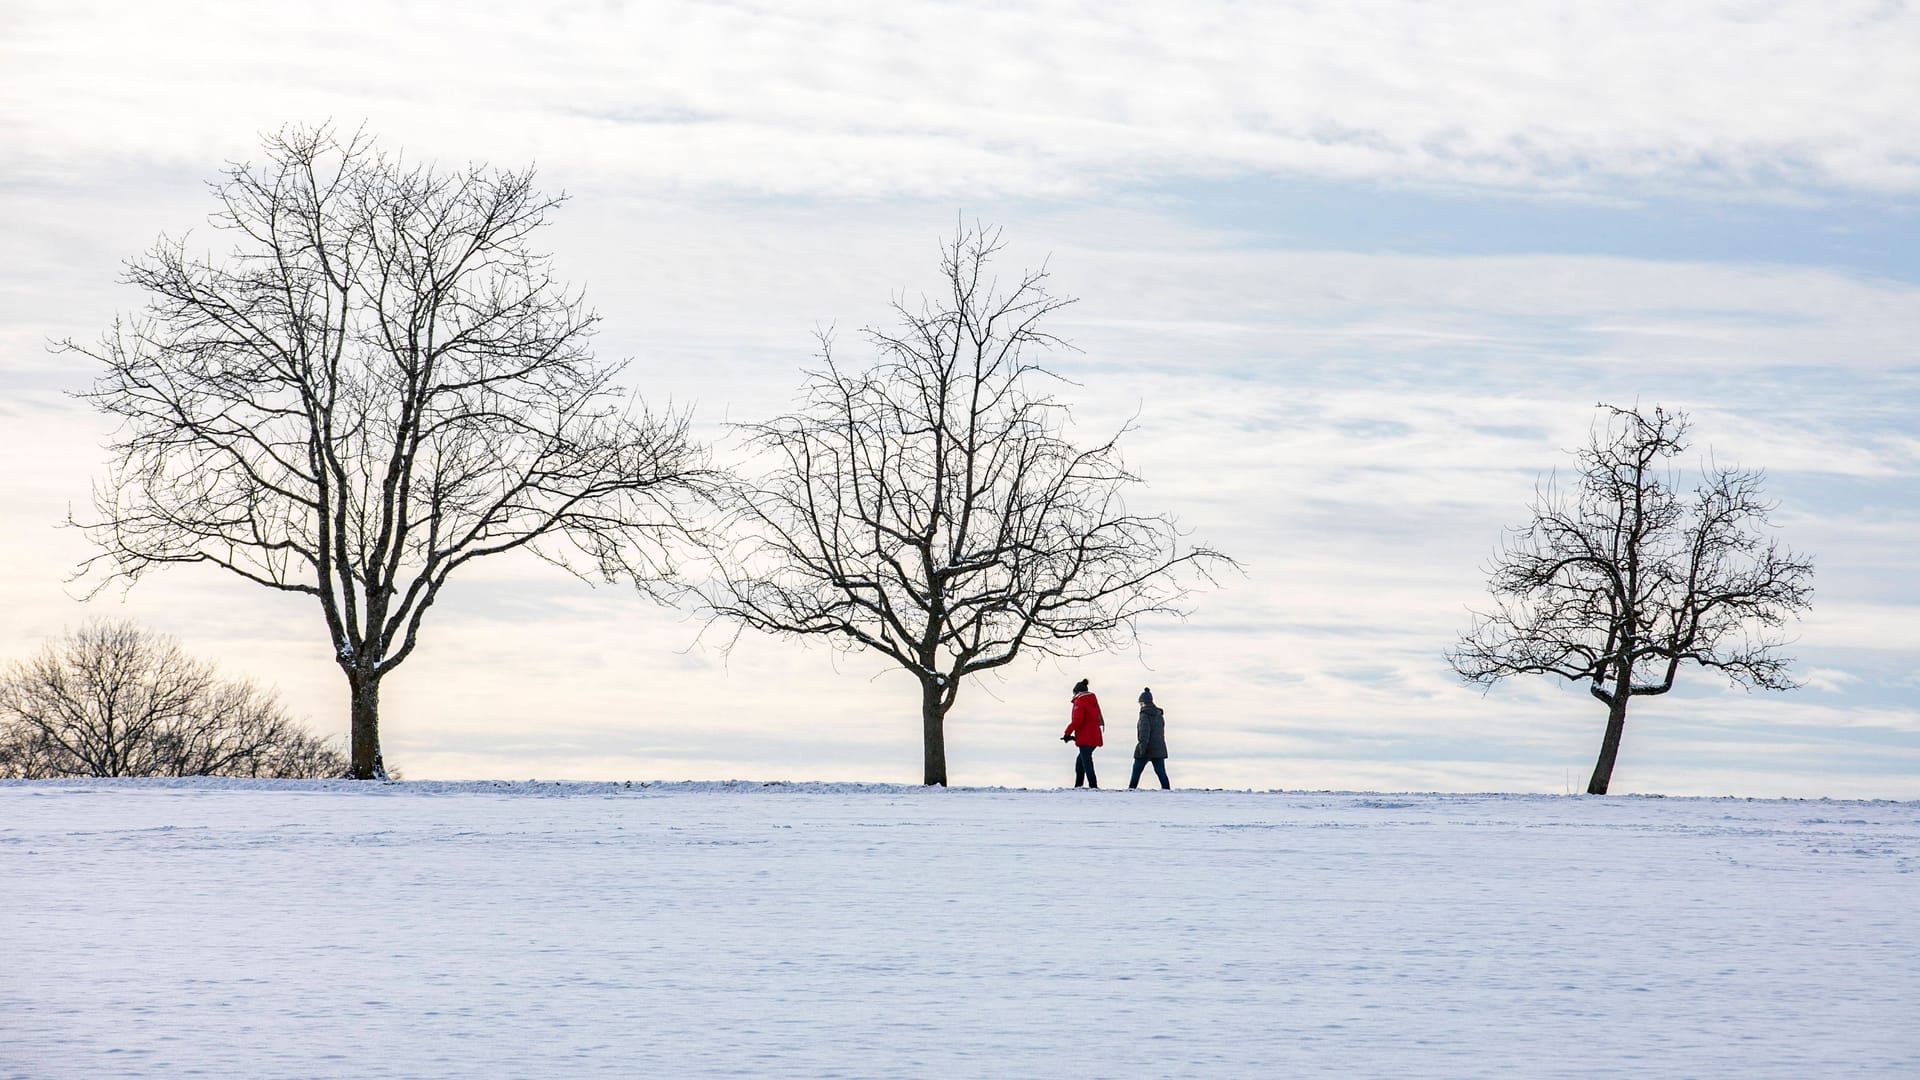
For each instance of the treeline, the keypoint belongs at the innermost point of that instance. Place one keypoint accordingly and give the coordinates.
(384, 380)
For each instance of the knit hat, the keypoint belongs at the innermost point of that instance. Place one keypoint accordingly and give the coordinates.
(1146, 696)
(1080, 687)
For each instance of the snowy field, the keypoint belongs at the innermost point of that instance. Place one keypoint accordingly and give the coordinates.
(229, 929)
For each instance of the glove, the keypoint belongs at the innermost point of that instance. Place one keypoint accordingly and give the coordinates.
(1066, 738)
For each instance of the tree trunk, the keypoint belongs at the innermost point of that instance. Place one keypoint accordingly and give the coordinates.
(933, 727)
(1610, 744)
(367, 762)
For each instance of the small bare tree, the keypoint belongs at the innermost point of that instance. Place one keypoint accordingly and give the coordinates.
(927, 507)
(1623, 580)
(381, 384)
(112, 699)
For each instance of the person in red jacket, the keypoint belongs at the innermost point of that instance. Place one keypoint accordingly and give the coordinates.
(1084, 731)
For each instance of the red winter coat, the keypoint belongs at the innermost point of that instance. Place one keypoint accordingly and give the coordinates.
(1086, 723)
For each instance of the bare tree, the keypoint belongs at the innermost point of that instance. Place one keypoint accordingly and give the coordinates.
(1621, 581)
(927, 508)
(382, 383)
(112, 699)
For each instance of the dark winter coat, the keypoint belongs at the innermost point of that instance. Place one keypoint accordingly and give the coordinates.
(1087, 722)
(1153, 734)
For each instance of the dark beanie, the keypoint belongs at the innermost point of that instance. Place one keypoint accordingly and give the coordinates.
(1080, 687)
(1146, 696)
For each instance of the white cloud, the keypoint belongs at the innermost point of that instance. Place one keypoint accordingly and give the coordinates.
(947, 101)
(1832, 680)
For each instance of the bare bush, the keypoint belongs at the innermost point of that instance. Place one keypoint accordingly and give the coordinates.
(112, 699)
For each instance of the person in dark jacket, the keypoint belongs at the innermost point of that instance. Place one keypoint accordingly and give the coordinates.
(1084, 731)
(1152, 744)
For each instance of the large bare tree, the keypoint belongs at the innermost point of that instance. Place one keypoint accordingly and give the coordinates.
(382, 382)
(1625, 578)
(112, 699)
(926, 506)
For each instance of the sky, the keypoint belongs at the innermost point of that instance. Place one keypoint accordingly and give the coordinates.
(1358, 273)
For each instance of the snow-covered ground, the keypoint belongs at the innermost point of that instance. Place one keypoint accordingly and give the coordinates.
(234, 929)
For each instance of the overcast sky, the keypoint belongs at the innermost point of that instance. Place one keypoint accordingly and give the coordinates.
(1362, 269)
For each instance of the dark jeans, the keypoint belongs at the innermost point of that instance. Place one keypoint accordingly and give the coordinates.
(1083, 768)
(1159, 769)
